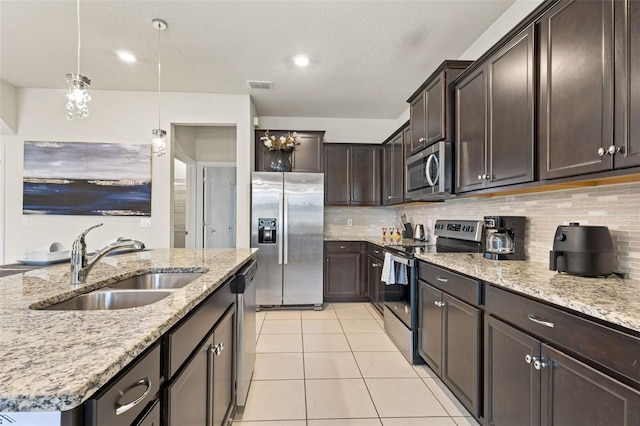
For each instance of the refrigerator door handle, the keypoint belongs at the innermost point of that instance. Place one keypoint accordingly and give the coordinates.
(285, 239)
(280, 226)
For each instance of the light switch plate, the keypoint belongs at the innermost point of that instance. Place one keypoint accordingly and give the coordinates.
(145, 222)
(25, 222)
(349, 222)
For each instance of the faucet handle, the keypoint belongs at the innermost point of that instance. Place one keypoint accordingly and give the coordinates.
(86, 231)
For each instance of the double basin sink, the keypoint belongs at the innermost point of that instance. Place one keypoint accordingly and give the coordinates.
(139, 290)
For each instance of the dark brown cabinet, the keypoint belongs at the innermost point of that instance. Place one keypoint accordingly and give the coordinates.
(306, 156)
(576, 83)
(203, 392)
(135, 390)
(393, 169)
(528, 382)
(430, 115)
(352, 175)
(343, 272)
(627, 87)
(449, 342)
(511, 385)
(495, 118)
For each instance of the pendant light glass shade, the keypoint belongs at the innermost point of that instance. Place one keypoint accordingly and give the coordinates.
(78, 97)
(158, 142)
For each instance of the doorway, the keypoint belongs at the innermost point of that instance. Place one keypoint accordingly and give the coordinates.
(2, 202)
(218, 185)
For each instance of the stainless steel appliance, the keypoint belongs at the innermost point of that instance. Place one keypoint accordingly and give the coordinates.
(429, 173)
(419, 233)
(581, 250)
(505, 237)
(401, 301)
(244, 287)
(287, 225)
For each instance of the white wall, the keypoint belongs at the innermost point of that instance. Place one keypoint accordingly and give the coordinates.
(344, 130)
(216, 143)
(117, 117)
(505, 23)
(8, 108)
(184, 138)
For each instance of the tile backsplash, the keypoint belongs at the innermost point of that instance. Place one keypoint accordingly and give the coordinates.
(615, 206)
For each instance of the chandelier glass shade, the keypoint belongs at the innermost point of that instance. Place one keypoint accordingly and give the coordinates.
(78, 97)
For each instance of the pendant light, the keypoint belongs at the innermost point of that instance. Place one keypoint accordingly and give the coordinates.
(77, 98)
(159, 145)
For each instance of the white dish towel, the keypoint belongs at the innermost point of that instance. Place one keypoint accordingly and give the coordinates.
(393, 272)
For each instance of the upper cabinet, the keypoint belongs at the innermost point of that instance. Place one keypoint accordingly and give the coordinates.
(627, 87)
(575, 111)
(352, 174)
(393, 168)
(494, 118)
(306, 156)
(431, 118)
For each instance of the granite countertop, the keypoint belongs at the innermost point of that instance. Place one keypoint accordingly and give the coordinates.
(611, 299)
(380, 242)
(55, 360)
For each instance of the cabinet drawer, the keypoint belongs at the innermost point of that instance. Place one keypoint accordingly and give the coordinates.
(184, 338)
(342, 246)
(126, 398)
(375, 251)
(610, 348)
(467, 289)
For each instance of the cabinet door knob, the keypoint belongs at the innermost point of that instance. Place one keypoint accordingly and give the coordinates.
(601, 151)
(613, 150)
(422, 140)
(529, 359)
(539, 364)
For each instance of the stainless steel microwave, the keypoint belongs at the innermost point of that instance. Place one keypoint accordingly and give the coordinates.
(429, 173)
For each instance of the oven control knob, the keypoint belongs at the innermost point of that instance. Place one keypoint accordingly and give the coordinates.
(561, 237)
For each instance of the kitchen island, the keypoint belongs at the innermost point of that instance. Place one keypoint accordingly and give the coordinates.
(53, 361)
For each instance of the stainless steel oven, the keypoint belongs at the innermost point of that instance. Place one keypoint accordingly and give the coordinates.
(429, 173)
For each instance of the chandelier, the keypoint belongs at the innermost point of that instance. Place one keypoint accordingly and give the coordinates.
(78, 97)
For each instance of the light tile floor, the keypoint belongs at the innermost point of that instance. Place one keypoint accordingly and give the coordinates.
(337, 367)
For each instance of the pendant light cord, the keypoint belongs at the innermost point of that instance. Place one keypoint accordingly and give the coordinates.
(159, 75)
(79, 40)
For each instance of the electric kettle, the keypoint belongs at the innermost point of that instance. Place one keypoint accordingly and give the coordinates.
(419, 234)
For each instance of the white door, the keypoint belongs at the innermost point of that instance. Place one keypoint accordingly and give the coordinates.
(219, 207)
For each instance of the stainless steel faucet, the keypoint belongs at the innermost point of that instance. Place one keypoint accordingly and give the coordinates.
(81, 266)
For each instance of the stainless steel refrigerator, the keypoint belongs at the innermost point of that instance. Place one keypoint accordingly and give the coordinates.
(287, 225)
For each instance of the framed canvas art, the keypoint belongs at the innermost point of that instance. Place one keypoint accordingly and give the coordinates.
(80, 178)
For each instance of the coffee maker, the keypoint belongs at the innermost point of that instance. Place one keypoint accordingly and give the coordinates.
(505, 237)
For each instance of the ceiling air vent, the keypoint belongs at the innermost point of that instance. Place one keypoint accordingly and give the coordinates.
(261, 85)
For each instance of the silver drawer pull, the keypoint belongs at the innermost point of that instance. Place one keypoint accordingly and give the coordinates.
(343, 247)
(541, 321)
(376, 251)
(439, 304)
(444, 280)
(126, 407)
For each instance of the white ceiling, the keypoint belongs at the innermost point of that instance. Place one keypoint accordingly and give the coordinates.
(367, 57)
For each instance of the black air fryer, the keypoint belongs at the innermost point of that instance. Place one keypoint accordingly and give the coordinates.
(586, 251)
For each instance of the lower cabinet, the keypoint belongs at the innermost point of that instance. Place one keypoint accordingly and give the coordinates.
(152, 417)
(449, 342)
(130, 396)
(343, 272)
(528, 382)
(202, 393)
(375, 287)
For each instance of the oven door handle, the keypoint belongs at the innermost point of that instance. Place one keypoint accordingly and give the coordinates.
(432, 159)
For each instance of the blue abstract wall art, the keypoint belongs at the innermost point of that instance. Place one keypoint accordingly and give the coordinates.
(93, 179)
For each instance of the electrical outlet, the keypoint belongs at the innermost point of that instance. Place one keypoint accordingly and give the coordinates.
(145, 222)
(25, 221)
(349, 222)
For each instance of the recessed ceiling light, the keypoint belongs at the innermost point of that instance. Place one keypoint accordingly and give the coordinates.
(126, 56)
(301, 60)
